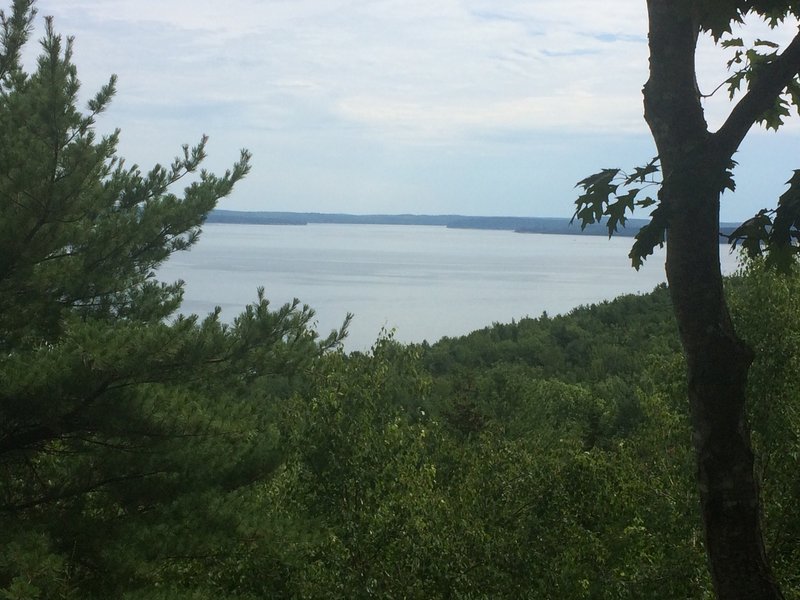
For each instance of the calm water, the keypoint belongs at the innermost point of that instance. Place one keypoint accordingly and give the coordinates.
(424, 282)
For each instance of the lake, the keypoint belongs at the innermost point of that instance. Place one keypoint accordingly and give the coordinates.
(424, 282)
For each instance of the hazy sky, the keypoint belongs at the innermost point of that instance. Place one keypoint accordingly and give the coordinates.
(482, 107)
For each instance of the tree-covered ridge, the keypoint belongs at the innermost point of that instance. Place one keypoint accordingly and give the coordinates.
(549, 225)
(567, 344)
(385, 475)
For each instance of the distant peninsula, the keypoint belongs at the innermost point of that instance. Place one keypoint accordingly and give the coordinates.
(549, 225)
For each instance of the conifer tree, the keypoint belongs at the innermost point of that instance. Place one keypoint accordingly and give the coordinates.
(123, 427)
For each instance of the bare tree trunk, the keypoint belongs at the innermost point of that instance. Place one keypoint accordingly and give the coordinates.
(694, 166)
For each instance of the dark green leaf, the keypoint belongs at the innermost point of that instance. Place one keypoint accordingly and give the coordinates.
(649, 236)
(773, 117)
(640, 173)
(601, 178)
(591, 205)
(645, 202)
(752, 234)
(766, 43)
(732, 43)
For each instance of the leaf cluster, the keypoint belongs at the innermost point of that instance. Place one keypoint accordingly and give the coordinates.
(611, 193)
(751, 63)
(718, 16)
(774, 233)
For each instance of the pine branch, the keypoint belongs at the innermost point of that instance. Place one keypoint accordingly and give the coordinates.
(79, 491)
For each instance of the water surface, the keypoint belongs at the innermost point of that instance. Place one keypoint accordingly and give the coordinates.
(424, 282)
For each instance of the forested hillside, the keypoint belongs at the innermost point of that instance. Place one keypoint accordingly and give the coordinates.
(548, 458)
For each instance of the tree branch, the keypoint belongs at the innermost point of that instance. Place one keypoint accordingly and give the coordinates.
(34, 437)
(78, 491)
(762, 93)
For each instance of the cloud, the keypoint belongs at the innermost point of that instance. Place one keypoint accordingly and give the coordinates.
(324, 86)
(435, 68)
(377, 62)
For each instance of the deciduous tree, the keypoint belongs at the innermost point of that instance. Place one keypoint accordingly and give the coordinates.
(696, 167)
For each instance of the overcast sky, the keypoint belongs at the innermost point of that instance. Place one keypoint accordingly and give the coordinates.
(480, 107)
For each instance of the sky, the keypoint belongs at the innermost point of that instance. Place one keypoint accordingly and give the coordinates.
(475, 107)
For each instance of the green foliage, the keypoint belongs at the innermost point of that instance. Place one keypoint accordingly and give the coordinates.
(549, 497)
(766, 309)
(587, 345)
(752, 63)
(718, 16)
(595, 474)
(79, 232)
(129, 437)
(595, 203)
(774, 233)
(608, 194)
(611, 194)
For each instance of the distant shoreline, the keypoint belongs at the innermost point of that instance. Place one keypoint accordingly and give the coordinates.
(548, 225)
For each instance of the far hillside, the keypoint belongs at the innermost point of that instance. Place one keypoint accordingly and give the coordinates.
(519, 224)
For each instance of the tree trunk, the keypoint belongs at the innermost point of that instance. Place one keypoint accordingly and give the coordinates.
(718, 364)
(694, 167)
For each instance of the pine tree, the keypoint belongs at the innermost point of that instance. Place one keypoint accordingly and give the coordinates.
(127, 433)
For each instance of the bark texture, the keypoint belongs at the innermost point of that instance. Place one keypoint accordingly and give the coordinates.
(694, 163)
